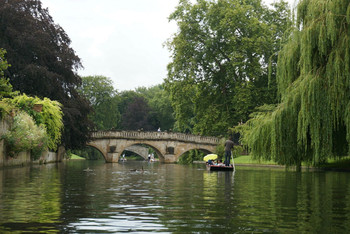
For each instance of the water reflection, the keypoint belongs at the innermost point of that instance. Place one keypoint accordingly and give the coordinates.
(30, 199)
(152, 197)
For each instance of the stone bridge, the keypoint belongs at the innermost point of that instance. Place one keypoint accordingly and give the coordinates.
(168, 146)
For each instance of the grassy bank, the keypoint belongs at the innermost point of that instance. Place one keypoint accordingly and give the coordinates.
(76, 157)
(340, 164)
(334, 164)
(246, 159)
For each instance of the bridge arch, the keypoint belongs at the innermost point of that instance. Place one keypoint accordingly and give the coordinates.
(98, 148)
(200, 149)
(140, 150)
(187, 148)
(159, 154)
(168, 146)
(204, 150)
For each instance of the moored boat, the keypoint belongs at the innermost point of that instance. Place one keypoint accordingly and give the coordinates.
(220, 168)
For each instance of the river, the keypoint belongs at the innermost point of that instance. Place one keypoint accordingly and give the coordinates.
(143, 197)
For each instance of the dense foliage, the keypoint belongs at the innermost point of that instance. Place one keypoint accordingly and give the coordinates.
(25, 135)
(162, 113)
(220, 59)
(191, 156)
(104, 100)
(312, 121)
(6, 89)
(43, 64)
(50, 115)
(137, 116)
(155, 109)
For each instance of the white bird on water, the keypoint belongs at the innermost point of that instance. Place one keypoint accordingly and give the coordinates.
(88, 170)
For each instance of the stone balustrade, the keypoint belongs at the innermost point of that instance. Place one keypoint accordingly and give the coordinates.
(141, 135)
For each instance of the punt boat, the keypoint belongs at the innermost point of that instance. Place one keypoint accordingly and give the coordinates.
(220, 167)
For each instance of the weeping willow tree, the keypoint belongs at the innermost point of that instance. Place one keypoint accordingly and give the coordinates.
(312, 121)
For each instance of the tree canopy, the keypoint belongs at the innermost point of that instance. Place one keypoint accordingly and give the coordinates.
(146, 108)
(312, 121)
(220, 59)
(162, 113)
(43, 64)
(137, 115)
(104, 100)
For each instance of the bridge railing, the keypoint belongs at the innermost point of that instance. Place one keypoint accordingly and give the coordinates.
(140, 135)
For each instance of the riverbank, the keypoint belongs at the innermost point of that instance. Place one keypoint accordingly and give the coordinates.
(332, 165)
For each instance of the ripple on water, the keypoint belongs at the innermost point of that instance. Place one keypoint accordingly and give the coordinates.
(119, 224)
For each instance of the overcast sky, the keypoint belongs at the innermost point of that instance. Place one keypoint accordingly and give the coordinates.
(119, 39)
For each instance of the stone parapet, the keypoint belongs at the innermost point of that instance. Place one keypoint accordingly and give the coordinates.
(140, 135)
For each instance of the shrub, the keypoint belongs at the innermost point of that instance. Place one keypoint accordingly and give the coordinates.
(50, 116)
(25, 135)
(5, 109)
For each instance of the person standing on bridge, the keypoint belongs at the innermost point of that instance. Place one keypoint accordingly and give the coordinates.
(228, 147)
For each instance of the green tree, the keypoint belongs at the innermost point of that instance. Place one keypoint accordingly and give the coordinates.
(312, 121)
(5, 86)
(190, 156)
(222, 47)
(126, 98)
(137, 115)
(104, 100)
(182, 95)
(162, 113)
(43, 64)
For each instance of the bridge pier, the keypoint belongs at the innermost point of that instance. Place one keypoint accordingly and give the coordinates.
(169, 158)
(112, 157)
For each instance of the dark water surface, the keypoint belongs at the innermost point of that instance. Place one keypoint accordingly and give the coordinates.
(171, 198)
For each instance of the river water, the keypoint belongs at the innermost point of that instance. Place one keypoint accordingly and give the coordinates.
(171, 198)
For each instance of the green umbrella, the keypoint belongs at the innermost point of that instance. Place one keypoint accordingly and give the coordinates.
(210, 156)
